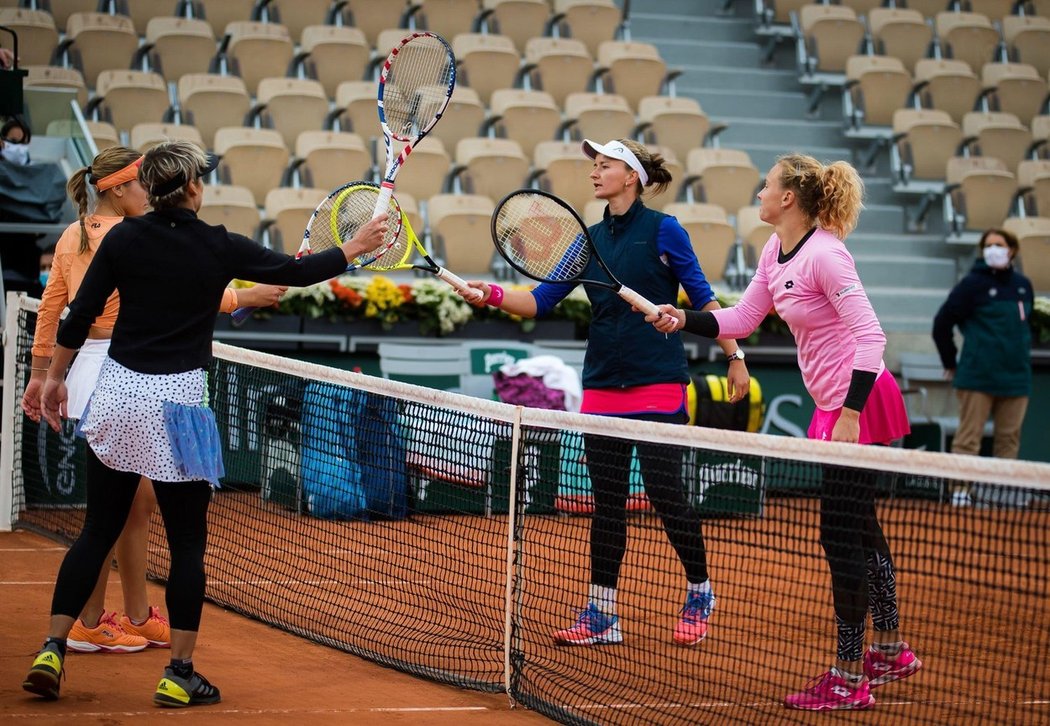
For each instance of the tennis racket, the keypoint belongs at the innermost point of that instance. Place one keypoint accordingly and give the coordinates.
(399, 257)
(543, 238)
(415, 86)
(336, 220)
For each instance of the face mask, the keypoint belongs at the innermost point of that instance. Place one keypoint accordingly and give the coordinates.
(15, 153)
(43, 279)
(998, 258)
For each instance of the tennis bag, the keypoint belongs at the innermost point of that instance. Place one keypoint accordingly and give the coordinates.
(714, 410)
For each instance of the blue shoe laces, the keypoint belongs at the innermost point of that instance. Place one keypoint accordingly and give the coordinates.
(698, 606)
(594, 619)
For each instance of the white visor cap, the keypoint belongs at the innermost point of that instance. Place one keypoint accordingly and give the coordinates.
(616, 150)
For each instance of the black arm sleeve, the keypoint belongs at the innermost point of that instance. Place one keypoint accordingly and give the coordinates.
(860, 385)
(701, 322)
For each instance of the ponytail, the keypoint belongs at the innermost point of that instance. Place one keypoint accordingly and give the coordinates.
(831, 196)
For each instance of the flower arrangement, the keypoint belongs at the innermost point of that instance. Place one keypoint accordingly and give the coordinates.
(430, 302)
(1041, 320)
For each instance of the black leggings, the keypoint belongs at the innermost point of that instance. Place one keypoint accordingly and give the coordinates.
(184, 507)
(862, 572)
(608, 462)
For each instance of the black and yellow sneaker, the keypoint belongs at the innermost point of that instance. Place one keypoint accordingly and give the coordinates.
(44, 677)
(176, 692)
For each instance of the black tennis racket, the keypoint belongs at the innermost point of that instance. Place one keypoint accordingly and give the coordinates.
(543, 238)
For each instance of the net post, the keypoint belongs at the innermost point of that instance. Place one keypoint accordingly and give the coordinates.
(509, 579)
(7, 424)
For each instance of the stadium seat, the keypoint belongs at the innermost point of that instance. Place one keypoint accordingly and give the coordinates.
(486, 62)
(675, 122)
(863, 7)
(333, 158)
(258, 51)
(56, 77)
(632, 70)
(876, 86)
(710, 233)
(599, 116)
(410, 207)
(1027, 40)
(519, 20)
(969, 37)
(726, 177)
(999, 135)
(61, 10)
(751, 229)
(830, 34)
(1038, 7)
(253, 158)
(37, 34)
(231, 206)
(1033, 179)
(459, 225)
(593, 211)
(901, 33)
(677, 169)
(591, 21)
(978, 195)
(1018, 89)
(145, 136)
(285, 214)
(178, 46)
(127, 98)
(1041, 137)
(220, 13)
(103, 133)
(297, 15)
(96, 42)
(142, 11)
(947, 85)
(491, 167)
(1033, 237)
(291, 105)
(334, 53)
(924, 140)
(210, 102)
(559, 66)
(371, 17)
(425, 171)
(930, 8)
(444, 363)
(528, 117)
(355, 103)
(562, 169)
(447, 18)
(994, 10)
(462, 119)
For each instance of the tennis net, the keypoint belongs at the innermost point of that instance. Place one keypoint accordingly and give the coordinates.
(449, 537)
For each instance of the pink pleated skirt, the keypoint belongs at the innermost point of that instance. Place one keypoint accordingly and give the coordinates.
(883, 420)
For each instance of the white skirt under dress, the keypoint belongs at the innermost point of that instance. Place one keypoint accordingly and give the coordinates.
(124, 422)
(83, 374)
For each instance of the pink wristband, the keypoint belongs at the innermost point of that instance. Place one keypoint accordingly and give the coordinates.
(495, 296)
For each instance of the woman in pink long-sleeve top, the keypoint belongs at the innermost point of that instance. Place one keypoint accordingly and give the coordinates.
(808, 276)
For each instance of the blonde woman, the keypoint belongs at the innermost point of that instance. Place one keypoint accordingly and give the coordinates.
(807, 274)
(105, 193)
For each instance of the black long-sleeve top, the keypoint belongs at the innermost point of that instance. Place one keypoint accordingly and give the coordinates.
(170, 269)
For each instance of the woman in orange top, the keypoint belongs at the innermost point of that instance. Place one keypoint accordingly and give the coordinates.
(110, 190)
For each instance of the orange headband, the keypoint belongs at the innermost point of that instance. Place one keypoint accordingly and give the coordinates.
(128, 173)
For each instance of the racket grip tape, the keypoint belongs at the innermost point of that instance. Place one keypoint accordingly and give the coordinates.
(238, 316)
(638, 301)
(386, 190)
(457, 282)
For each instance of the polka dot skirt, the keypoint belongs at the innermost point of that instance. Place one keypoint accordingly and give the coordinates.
(124, 424)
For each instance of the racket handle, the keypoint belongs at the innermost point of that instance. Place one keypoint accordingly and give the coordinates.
(457, 282)
(386, 190)
(238, 316)
(638, 301)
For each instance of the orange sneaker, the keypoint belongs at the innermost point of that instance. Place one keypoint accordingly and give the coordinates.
(155, 630)
(106, 637)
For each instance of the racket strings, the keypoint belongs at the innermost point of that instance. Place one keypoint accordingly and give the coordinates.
(344, 212)
(417, 85)
(541, 238)
(396, 255)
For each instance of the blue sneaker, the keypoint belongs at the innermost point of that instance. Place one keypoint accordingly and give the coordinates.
(593, 627)
(692, 626)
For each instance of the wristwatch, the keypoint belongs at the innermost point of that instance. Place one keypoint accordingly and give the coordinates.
(739, 355)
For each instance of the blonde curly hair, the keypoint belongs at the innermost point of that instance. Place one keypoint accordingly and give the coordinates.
(832, 195)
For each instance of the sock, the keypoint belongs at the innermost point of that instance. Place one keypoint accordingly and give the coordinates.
(604, 598)
(853, 679)
(59, 643)
(889, 650)
(699, 588)
(182, 668)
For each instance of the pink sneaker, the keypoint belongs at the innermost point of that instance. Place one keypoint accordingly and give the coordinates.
(881, 670)
(692, 626)
(831, 692)
(593, 627)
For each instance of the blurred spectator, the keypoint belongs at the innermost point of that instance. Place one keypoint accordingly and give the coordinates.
(14, 141)
(47, 257)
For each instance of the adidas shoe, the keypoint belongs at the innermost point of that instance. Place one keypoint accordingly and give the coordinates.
(692, 626)
(881, 669)
(106, 637)
(832, 692)
(155, 630)
(45, 675)
(176, 692)
(593, 627)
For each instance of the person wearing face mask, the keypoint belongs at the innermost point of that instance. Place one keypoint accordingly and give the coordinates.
(14, 142)
(992, 376)
(47, 259)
